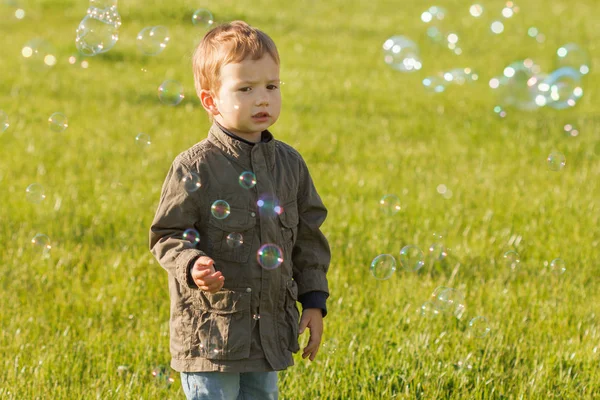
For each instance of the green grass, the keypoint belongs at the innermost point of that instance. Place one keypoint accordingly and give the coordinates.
(100, 300)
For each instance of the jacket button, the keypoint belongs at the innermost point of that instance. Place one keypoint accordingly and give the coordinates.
(256, 317)
(248, 290)
(253, 214)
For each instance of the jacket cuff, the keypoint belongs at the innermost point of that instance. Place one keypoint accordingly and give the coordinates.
(185, 261)
(315, 299)
(310, 280)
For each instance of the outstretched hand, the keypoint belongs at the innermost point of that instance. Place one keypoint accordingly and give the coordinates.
(312, 318)
(205, 277)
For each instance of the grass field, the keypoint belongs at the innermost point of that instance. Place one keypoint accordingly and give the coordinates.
(90, 320)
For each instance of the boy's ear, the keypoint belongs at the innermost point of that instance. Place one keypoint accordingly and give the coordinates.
(208, 102)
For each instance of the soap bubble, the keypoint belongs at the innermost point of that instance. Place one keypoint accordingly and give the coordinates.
(269, 256)
(556, 161)
(518, 86)
(435, 84)
(498, 110)
(573, 56)
(558, 266)
(479, 327)
(434, 15)
(247, 179)
(437, 250)
(235, 239)
(402, 54)
(192, 236)
(383, 266)
(143, 140)
(411, 258)
(4, 124)
(58, 122)
(152, 40)
(98, 31)
(35, 193)
(460, 76)
(203, 18)
(571, 130)
(39, 54)
(268, 205)
(428, 310)
(170, 92)
(451, 300)
(562, 88)
(163, 375)
(220, 209)
(511, 259)
(390, 204)
(41, 242)
(191, 182)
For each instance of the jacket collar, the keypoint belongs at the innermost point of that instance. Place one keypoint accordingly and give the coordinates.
(242, 150)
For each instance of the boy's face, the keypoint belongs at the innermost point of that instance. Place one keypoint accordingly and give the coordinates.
(249, 99)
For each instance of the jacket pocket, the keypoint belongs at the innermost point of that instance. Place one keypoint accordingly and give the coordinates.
(222, 327)
(231, 239)
(289, 220)
(292, 316)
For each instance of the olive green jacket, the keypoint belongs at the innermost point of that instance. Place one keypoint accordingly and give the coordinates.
(252, 323)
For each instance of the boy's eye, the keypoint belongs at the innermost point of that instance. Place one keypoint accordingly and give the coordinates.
(245, 89)
(272, 87)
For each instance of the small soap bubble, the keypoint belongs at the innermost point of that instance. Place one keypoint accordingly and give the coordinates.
(235, 239)
(163, 375)
(4, 123)
(558, 266)
(500, 112)
(476, 10)
(437, 250)
(451, 300)
(191, 182)
(268, 205)
(402, 54)
(511, 259)
(203, 18)
(390, 204)
(434, 15)
(170, 92)
(561, 88)
(435, 84)
(247, 179)
(41, 242)
(269, 256)
(39, 54)
(411, 258)
(152, 40)
(192, 236)
(143, 140)
(220, 209)
(571, 130)
(556, 161)
(428, 310)
(383, 266)
(479, 327)
(35, 193)
(58, 122)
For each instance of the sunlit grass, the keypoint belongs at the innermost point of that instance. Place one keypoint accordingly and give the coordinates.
(90, 319)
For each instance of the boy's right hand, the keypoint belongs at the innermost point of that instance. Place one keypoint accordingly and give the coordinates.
(204, 275)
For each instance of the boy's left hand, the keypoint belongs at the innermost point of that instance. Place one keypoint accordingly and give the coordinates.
(313, 319)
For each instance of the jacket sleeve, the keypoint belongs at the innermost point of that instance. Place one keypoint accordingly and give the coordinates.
(311, 254)
(177, 211)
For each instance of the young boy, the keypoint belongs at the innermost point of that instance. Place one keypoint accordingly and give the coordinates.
(234, 319)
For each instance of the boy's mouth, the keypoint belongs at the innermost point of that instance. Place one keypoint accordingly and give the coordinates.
(261, 115)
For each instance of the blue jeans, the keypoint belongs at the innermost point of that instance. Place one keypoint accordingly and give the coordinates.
(230, 385)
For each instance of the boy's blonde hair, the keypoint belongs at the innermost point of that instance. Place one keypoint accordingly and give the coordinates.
(225, 44)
